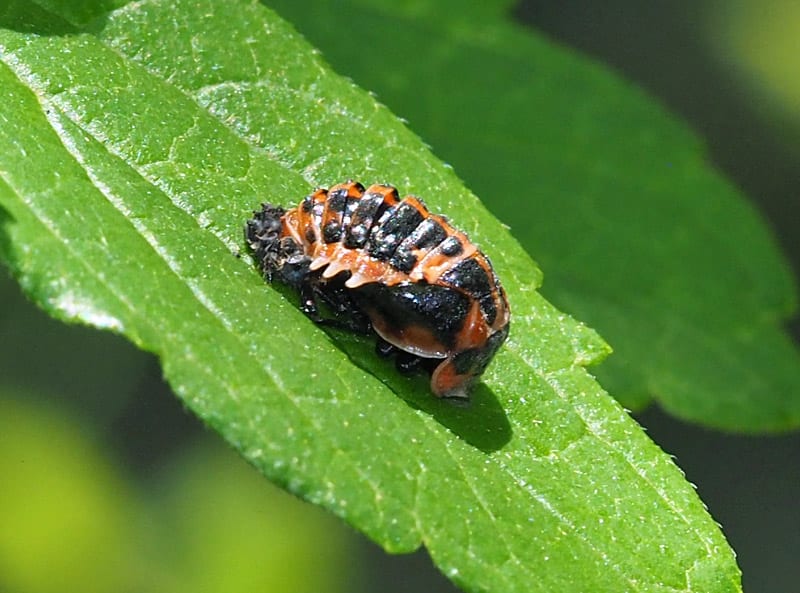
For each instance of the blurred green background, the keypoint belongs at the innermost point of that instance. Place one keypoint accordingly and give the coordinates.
(109, 485)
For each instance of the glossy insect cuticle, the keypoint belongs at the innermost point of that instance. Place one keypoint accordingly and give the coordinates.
(388, 265)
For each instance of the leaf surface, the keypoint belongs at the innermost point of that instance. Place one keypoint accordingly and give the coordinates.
(134, 144)
(638, 234)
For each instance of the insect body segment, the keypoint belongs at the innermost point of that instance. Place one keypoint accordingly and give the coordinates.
(388, 264)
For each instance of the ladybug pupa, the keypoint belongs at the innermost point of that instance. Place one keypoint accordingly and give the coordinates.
(388, 265)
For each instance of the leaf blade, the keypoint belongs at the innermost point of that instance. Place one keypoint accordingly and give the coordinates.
(640, 237)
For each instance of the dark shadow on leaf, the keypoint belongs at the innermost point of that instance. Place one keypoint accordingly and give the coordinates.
(25, 16)
(481, 422)
(5, 240)
(57, 17)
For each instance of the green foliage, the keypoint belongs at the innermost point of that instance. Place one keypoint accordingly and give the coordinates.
(236, 535)
(638, 235)
(66, 503)
(134, 144)
(61, 503)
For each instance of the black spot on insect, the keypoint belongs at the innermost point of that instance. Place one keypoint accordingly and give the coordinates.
(452, 247)
(332, 232)
(393, 227)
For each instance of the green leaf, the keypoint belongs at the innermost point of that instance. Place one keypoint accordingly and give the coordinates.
(637, 233)
(133, 146)
(238, 535)
(63, 501)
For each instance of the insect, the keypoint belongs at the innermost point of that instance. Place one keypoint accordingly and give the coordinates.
(388, 265)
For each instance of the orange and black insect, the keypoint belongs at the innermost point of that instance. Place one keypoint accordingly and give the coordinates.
(385, 264)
